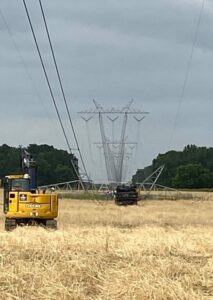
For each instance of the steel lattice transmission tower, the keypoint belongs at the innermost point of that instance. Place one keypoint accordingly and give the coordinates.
(115, 151)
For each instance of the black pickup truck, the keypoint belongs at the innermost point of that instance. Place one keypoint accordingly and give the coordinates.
(126, 195)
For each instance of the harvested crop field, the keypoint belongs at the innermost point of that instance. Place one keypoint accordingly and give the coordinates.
(156, 250)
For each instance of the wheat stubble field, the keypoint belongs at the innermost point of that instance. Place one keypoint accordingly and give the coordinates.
(156, 250)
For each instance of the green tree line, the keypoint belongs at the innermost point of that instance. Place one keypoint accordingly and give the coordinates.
(54, 165)
(191, 168)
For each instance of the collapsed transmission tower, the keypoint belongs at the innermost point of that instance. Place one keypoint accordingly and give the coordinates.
(114, 150)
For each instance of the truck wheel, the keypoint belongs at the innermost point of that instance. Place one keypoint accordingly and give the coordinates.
(51, 224)
(10, 224)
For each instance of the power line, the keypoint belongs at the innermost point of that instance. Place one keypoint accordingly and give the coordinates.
(49, 86)
(23, 63)
(61, 86)
(189, 64)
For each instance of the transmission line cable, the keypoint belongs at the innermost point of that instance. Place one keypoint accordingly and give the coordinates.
(188, 68)
(61, 87)
(24, 64)
(49, 86)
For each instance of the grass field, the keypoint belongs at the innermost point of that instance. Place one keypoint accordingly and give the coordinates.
(156, 250)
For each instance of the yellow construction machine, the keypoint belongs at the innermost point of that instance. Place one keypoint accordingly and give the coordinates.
(23, 204)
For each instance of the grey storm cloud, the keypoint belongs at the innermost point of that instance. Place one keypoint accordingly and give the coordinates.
(112, 51)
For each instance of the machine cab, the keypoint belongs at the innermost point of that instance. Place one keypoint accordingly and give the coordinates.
(14, 183)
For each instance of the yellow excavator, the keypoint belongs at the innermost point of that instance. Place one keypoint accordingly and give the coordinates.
(23, 204)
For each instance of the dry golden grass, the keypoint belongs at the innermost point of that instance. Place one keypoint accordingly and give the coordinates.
(157, 250)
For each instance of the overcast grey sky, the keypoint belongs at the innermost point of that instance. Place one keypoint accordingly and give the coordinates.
(111, 50)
